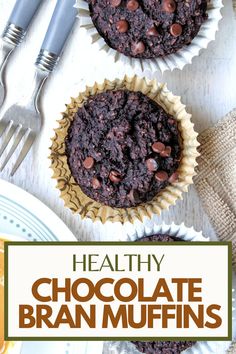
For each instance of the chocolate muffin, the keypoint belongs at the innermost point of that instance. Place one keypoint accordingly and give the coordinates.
(163, 347)
(159, 238)
(123, 148)
(148, 28)
(160, 347)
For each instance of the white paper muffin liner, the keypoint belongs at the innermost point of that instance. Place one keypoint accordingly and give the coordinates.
(181, 231)
(178, 60)
(186, 234)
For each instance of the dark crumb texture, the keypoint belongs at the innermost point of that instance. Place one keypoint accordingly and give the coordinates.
(160, 347)
(163, 347)
(123, 148)
(148, 28)
(159, 238)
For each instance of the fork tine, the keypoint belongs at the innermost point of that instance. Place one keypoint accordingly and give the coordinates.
(7, 138)
(3, 126)
(20, 134)
(24, 151)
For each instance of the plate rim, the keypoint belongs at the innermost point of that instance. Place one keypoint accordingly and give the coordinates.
(37, 209)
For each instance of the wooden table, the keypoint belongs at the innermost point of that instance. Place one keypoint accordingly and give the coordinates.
(207, 88)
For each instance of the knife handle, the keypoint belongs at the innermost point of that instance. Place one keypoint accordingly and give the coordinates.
(20, 19)
(60, 26)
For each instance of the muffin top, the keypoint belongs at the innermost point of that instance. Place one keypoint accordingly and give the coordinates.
(148, 28)
(160, 347)
(159, 238)
(123, 148)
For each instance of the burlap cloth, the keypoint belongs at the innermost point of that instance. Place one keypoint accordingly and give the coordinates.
(216, 180)
(216, 177)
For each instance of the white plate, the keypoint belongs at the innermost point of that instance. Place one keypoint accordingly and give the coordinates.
(23, 215)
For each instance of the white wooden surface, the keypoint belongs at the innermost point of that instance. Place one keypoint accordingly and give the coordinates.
(207, 88)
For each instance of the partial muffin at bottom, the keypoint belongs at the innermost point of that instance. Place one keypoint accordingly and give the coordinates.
(160, 347)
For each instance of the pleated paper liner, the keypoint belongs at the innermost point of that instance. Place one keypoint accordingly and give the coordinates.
(181, 231)
(71, 192)
(186, 234)
(178, 60)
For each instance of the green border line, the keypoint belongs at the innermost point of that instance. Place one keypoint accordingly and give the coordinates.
(7, 244)
(105, 339)
(230, 290)
(117, 243)
(5, 290)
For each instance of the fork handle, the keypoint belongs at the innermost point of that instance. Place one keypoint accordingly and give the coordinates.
(60, 26)
(19, 21)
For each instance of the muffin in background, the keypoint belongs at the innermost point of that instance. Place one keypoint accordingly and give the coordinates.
(146, 28)
(150, 67)
(162, 347)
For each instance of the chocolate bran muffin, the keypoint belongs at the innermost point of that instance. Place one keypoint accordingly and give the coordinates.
(159, 238)
(123, 148)
(148, 28)
(163, 347)
(160, 347)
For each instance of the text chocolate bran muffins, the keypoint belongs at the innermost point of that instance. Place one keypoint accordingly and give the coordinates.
(124, 150)
(148, 28)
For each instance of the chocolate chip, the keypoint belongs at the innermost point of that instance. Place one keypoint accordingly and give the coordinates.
(96, 183)
(158, 147)
(115, 3)
(132, 5)
(152, 32)
(161, 176)
(151, 165)
(176, 29)
(171, 121)
(174, 177)
(169, 6)
(115, 176)
(133, 196)
(138, 48)
(122, 26)
(166, 152)
(88, 162)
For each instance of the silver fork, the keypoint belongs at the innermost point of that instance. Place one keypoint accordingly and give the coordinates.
(23, 120)
(13, 34)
